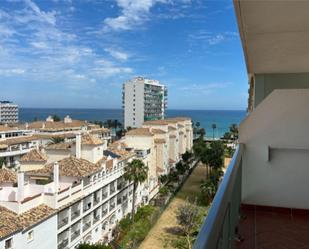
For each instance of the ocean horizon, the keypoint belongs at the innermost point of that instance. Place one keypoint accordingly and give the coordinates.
(222, 118)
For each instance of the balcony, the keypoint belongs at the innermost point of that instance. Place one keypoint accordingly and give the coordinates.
(75, 214)
(75, 234)
(63, 243)
(220, 226)
(63, 222)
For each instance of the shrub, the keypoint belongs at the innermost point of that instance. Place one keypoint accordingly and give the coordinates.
(95, 246)
(164, 191)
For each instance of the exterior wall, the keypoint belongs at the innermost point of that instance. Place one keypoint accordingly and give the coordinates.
(44, 236)
(92, 153)
(30, 166)
(275, 161)
(8, 112)
(264, 84)
(56, 155)
(133, 105)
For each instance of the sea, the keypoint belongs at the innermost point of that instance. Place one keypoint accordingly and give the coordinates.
(222, 118)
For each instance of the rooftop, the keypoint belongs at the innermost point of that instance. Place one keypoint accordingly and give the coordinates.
(34, 156)
(7, 176)
(88, 139)
(139, 132)
(59, 146)
(10, 222)
(70, 166)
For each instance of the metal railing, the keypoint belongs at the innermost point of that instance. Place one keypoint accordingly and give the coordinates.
(220, 227)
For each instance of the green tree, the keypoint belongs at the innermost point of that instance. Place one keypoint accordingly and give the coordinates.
(213, 126)
(56, 140)
(135, 172)
(56, 118)
(234, 131)
(93, 246)
(209, 189)
(213, 155)
(197, 124)
(186, 156)
(188, 217)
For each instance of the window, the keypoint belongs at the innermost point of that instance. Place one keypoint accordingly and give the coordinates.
(30, 236)
(8, 244)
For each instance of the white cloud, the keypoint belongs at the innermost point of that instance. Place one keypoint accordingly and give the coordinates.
(212, 38)
(117, 54)
(11, 71)
(133, 13)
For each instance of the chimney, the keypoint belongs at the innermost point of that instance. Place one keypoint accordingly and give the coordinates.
(78, 145)
(20, 186)
(56, 176)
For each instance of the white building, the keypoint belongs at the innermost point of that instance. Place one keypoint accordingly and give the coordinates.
(143, 99)
(8, 112)
(88, 197)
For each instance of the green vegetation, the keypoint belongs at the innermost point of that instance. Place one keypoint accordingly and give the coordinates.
(135, 172)
(189, 219)
(164, 191)
(93, 246)
(133, 233)
(56, 118)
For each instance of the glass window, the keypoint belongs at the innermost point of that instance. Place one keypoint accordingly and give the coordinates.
(30, 236)
(8, 243)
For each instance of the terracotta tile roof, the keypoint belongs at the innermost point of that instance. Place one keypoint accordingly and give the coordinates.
(171, 161)
(158, 131)
(57, 126)
(172, 136)
(171, 128)
(3, 146)
(160, 170)
(102, 160)
(156, 122)
(100, 130)
(180, 126)
(88, 139)
(19, 140)
(59, 146)
(117, 145)
(7, 128)
(50, 136)
(160, 141)
(7, 176)
(124, 154)
(70, 166)
(11, 223)
(34, 156)
(181, 119)
(139, 132)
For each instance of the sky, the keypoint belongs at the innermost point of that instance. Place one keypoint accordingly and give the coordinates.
(78, 53)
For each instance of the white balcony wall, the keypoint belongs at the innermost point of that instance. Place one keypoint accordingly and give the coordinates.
(276, 157)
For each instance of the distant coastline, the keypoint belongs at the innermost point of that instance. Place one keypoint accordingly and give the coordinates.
(222, 118)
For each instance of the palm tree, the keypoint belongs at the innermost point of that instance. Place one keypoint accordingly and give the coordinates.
(56, 140)
(234, 131)
(135, 172)
(213, 126)
(208, 188)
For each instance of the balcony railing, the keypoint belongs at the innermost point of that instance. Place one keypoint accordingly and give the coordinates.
(63, 222)
(75, 234)
(75, 214)
(63, 243)
(220, 227)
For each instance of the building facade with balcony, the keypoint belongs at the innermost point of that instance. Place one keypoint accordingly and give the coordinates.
(8, 112)
(86, 198)
(143, 99)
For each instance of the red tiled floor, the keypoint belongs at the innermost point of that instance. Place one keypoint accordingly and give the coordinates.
(273, 228)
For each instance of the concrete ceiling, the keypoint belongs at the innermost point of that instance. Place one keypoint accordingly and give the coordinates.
(275, 35)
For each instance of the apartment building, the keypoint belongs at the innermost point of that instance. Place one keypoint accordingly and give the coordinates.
(8, 112)
(83, 197)
(263, 200)
(19, 139)
(143, 99)
(160, 143)
(14, 143)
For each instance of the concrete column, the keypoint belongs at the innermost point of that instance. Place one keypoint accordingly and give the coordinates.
(20, 186)
(56, 177)
(78, 145)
